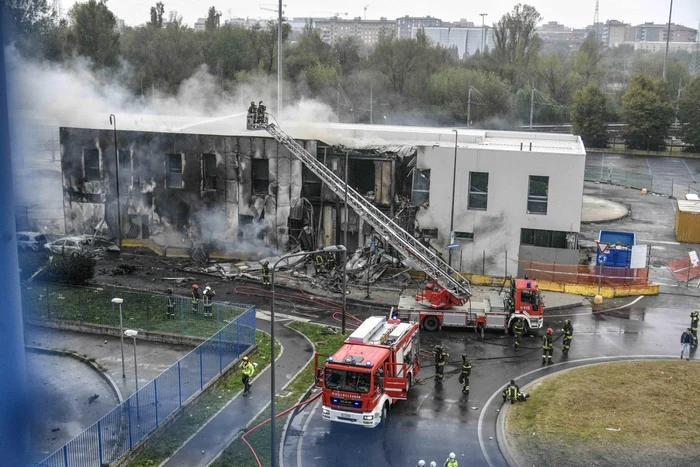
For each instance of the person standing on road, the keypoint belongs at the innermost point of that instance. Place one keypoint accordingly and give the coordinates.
(266, 273)
(568, 332)
(694, 328)
(208, 304)
(195, 299)
(170, 304)
(464, 375)
(440, 360)
(247, 369)
(686, 341)
(451, 461)
(547, 347)
(518, 330)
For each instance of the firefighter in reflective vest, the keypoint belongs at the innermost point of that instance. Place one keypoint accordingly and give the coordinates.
(568, 332)
(261, 112)
(464, 375)
(511, 392)
(247, 369)
(547, 347)
(266, 273)
(451, 461)
(170, 304)
(440, 360)
(318, 262)
(208, 304)
(694, 328)
(253, 109)
(518, 330)
(195, 299)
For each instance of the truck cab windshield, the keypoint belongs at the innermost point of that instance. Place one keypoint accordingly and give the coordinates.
(350, 381)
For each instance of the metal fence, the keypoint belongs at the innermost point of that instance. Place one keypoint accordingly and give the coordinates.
(586, 274)
(655, 184)
(130, 422)
(147, 312)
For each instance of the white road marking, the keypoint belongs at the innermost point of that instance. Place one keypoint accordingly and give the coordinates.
(303, 430)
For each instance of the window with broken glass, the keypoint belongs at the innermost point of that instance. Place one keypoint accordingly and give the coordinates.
(209, 171)
(537, 194)
(261, 176)
(173, 177)
(91, 163)
(478, 190)
(420, 192)
(543, 238)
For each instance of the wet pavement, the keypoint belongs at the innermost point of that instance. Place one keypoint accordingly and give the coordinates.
(436, 420)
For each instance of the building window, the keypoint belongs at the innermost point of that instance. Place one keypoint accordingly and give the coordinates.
(464, 236)
(420, 193)
(544, 238)
(537, 194)
(91, 163)
(429, 233)
(311, 184)
(173, 177)
(209, 171)
(478, 190)
(261, 176)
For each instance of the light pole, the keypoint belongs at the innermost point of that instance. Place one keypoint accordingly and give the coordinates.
(119, 302)
(279, 59)
(452, 212)
(113, 121)
(133, 333)
(483, 32)
(369, 267)
(668, 37)
(328, 249)
(345, 242)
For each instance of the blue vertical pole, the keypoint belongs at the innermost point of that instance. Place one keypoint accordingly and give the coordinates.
(65, 455)
(221, 355)
(80, 305)
(14, 404)
(238, 335)
(201, 369)
(155, 398)
(182, 317)
(99, 439)
(179, 383)
(128, 408)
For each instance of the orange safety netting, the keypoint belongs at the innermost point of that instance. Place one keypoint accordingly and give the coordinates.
(586, 274)
(682, 269)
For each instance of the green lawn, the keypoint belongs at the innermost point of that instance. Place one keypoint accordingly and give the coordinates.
(625, 413)
(238, 454)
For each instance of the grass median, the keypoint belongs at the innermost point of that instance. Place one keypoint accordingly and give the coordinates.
(237, 453)
(640, 413)
(166, 441)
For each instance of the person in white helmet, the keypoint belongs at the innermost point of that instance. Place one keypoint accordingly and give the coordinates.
(421, 463)
(433, 464)
(451, 461)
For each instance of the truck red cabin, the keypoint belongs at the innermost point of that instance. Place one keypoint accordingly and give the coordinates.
(527, 297)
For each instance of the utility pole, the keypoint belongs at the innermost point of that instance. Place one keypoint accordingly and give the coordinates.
(371, 113)
(469, 107)
(279, 60)
(532, 105)
(668, 37)
(483, 32)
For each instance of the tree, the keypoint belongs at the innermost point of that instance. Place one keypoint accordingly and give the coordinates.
(346, 53)
(689, 114)
(157, 13)
(517, 43)
(588, 116)
(647, 111)
(28, 22)
(586, 59)
(212, 22)
(308, 51)
(94, 34)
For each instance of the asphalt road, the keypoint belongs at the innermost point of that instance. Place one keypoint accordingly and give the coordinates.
(438, 419)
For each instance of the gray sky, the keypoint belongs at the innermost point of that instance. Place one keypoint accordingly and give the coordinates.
(570, 13)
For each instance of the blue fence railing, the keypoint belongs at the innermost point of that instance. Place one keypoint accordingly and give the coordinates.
(142, 311)
(130, 422)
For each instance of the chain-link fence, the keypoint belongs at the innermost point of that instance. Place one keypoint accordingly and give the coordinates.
(142, 311)
(655, 184)
(126, 425)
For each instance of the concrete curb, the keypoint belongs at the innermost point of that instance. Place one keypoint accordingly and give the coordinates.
(503, 443)
(108, 379)
(612, 219)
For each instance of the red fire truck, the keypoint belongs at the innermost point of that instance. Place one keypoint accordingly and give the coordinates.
(498, 311)
(375, 367)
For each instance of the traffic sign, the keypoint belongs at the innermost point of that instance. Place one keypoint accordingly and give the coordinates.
(602, 258)
(694, 258)
(603, 247)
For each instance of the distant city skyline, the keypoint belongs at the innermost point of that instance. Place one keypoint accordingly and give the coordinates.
(572, 14)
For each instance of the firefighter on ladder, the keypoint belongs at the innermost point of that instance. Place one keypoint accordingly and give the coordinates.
(266, 273)
(518, 330)
(261, 112)
(464, 375)
(547, 347)
(170, 304)
(208, 304)
(195, 299)
(440, 360)
(694, 328)
(568, 332)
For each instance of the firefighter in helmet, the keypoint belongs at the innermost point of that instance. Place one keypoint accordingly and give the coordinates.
(247, 370)
(440, 360)
(253, 109)
(568, 333)
(694, 328)
(518, 330)
(464, 374)
(451, 460)
(266, 273)
(170, 304)
(208, 304)
(547, 347)
(261, 112)
(319, 261)
(195, 299)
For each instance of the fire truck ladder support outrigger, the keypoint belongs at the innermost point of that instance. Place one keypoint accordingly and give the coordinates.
(428, 261)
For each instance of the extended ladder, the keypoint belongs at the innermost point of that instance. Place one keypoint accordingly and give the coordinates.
(427, 260)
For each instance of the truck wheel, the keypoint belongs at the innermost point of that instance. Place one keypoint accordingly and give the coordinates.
(385, 413)
(431, 323)
(409, 382)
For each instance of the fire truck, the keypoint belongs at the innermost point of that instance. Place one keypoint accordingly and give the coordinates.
(374, 368)
(434, 309)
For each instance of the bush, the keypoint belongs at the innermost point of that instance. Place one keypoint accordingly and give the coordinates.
(74, 270)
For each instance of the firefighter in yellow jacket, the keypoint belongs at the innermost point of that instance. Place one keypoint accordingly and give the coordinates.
(247, 370)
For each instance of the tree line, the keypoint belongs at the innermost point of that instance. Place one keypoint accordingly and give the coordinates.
(410, 81)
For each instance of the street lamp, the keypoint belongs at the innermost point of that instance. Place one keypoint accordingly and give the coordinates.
(668, 38)
(345, 242)
(119, 302)
(328, 249)
(483, 32)
(133, 333)
(279, 59)
(452, 213)
(113, 121)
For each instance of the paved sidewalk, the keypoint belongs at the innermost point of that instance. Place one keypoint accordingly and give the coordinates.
(216, 435)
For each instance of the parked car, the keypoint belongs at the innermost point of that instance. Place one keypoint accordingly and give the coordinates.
(34, 241)
(69, 246)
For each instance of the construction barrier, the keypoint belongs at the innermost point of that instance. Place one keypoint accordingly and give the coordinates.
(581, 274)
